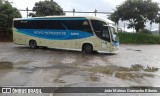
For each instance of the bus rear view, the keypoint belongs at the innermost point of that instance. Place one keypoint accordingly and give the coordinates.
(85, 34)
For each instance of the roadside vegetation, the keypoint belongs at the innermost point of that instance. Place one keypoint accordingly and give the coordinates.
(8, 13)
(139, 38)
(137, 13)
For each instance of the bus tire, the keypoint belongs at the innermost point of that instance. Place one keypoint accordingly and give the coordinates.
(33, 44)
(87, 48)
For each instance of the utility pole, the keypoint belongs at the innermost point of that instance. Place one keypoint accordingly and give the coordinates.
(27, 11)
(159, 29)
(95, 12)
(124, 26)
(73, 12)
(159, 21)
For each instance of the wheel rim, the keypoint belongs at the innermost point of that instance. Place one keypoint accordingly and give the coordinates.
(33, 44)
(88, 49)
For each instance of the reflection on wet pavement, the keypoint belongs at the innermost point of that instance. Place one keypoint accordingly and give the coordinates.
(133, 49)
(6, 65)
(58, 66)
(136, 71)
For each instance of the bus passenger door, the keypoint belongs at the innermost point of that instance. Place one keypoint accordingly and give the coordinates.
(106, 42)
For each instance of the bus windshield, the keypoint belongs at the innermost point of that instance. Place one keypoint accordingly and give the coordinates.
(114, 34)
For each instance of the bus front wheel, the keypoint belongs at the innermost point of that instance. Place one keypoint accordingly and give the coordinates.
(33, 44)
(87, 48)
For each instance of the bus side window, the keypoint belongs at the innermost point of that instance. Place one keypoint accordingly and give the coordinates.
(99, 29)
(39, 24)
(97, 26)
(78, 25)
(24, 24)
(86, 27)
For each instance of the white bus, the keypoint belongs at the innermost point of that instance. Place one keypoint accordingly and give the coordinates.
(86, 34)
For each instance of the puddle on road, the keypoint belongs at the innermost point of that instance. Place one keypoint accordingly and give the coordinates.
(133, 50)
(31, 69)
(23, 62)
(6, 65)
(136, 71)
(58, 66)
(59, 81)
(26, 66)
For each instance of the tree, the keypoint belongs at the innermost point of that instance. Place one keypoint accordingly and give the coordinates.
(7, 13)
(157, 19)
(46, 8)
(137, 12)
(114, 17)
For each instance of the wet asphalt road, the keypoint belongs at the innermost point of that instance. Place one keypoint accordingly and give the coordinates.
(132, 65)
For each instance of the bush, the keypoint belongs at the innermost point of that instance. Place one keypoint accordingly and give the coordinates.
(145, 31)
(139, 38)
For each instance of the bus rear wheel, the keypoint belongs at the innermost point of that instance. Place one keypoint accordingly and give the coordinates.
(33, 44)
(87, 48)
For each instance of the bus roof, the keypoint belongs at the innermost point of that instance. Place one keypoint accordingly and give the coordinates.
(87, 17)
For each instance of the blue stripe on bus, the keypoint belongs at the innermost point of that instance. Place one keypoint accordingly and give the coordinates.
(55, 34)
(54, 19)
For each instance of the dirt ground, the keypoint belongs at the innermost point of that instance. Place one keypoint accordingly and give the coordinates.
(131, 66)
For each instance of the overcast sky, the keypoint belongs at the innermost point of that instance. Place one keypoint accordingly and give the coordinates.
(68, 5)
(78, 5)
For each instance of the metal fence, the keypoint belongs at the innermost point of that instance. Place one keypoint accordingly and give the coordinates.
(95, 12)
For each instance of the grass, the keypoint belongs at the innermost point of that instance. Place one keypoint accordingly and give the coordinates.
(139, 38)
